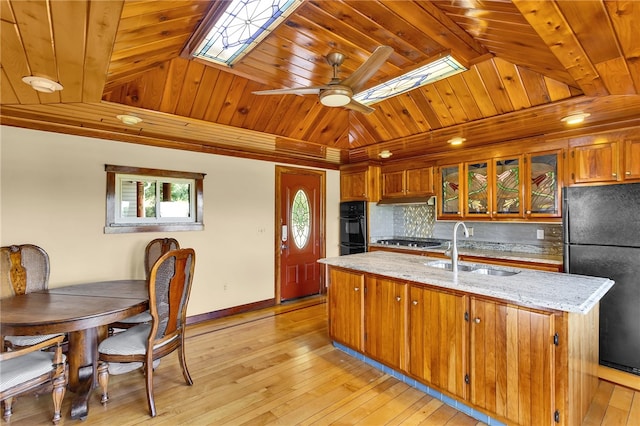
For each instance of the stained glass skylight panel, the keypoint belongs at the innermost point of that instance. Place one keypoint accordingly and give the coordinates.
(434, 71)
(241, 27)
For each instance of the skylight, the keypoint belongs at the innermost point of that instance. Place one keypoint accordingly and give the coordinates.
(434, 71)
(241, 27)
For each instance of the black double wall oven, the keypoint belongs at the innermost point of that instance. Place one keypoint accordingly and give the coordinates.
(353, 227)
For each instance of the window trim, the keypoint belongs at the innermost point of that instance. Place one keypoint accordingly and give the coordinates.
(112, 227)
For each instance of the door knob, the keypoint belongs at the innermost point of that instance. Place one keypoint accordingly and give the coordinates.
(477, 320)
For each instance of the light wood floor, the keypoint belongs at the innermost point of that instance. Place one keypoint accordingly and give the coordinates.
(277, 366)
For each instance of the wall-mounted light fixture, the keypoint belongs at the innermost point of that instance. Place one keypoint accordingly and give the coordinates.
(576, 118)
(130, 120)
(42, 84)
(456, 141)
(385, 154)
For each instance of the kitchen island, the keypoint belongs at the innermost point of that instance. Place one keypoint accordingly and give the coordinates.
(519, 348)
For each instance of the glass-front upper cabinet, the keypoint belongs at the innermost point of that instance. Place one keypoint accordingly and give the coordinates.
(478, 189)
(450, 199)
(542, 187)
(507, 187)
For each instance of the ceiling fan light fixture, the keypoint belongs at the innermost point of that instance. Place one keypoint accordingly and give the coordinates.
(335, 97)
(130, 120)
(42, 84)
(456, 141)
(576, 118)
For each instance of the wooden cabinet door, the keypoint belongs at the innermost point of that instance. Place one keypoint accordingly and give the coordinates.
(419, 182)
(512, 362)
(438, 339)
(450, 191)
(385, 321)
(632, 159)
(393, 184)
(542, 187)
(595, 163)
(345, 294)
(353, 185)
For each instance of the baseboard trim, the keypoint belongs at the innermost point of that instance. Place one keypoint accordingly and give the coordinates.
(195, 319)
(619, 377)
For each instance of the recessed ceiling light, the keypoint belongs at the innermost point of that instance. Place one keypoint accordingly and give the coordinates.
(42, 84)
(576, 118)
(385, 154)
(456, 141)
(131, 120)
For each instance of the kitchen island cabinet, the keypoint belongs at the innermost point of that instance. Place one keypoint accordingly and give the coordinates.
(511, 361)
(437, 345)
(346, 321)
(522, 349)
(385, 320)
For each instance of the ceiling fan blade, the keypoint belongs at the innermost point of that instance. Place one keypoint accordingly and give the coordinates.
(368, 68)
(357, 106)
(313, 90)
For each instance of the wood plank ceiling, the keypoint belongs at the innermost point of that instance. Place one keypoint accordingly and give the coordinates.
(529, 64)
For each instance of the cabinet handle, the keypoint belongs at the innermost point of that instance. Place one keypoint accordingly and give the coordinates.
(493, 212)
(614, 174)
(398, 298)
(528, 211)
(356, 288)
(477, 320)
(415, 302)
(627, 173)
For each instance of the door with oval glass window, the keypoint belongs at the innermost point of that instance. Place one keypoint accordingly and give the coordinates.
(300, 232)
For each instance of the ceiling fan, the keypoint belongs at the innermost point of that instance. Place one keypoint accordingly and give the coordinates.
(339, 92)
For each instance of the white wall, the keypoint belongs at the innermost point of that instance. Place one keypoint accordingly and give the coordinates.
(53, 195)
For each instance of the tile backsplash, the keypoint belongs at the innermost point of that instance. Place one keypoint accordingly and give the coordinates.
(419, 221)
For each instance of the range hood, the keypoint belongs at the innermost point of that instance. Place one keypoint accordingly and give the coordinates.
(408, 200)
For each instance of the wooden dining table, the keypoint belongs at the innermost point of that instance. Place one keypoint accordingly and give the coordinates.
(83, 311)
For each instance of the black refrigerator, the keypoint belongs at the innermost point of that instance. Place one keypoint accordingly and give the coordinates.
(602, 238)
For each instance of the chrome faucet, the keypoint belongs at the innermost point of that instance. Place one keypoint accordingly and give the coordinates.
(454, 250)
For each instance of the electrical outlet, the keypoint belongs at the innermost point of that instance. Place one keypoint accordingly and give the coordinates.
(470, 229)
(540, 234)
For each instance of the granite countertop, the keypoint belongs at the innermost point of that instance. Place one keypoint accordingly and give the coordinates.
(530, 288)
(550, 259)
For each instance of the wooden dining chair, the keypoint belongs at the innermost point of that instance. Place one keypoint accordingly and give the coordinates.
(169, 288)
(25, 268)
(152, 253)
(32, 369)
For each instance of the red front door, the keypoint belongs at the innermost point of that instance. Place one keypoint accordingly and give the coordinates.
(300, 233)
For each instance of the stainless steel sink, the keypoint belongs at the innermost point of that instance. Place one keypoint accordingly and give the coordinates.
(443, 264)
(475, 269)
(491, 271)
